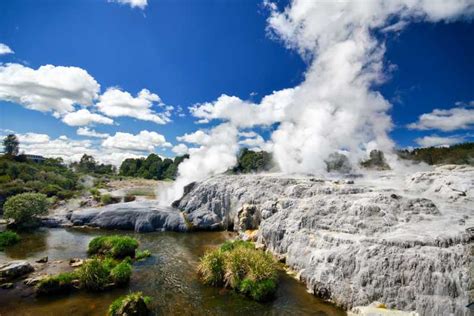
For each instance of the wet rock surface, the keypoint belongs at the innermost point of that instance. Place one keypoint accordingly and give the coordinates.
(14, 269)
(140, 216)
(404, 241)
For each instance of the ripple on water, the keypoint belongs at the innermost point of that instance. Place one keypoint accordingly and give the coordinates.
(169, 277)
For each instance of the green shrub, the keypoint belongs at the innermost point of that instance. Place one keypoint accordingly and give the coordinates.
(23, 208)
(108, 199)
(121, 273)
(241, 267)
(51, 190)
(60, 283)
(140, 255)
(131, 304)
(8, 238)
(94, 275)
(211, 268)
(114, 246)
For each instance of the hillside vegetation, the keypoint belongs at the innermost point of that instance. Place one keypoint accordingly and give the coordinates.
(457, 154)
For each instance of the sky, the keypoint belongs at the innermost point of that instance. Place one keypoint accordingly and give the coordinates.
(125, 78)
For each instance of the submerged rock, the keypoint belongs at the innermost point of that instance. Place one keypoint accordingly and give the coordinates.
(14, 269)
(397, 241)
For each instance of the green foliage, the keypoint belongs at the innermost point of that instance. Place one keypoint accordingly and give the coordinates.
(241, 267)
(8, 238)
(153, 167)
(121, 273)
(87, 164)
(60, 283)
(132, 299)
(114, 246)
(140, 255)
(252, 161)
(23, 208)
(11, 145)
(50, 177)
(457, 154)
(108, 199)
(94, 275)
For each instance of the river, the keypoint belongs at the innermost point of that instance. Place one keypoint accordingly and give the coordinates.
(169, 277)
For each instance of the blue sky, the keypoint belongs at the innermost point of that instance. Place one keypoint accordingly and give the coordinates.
(192, 52)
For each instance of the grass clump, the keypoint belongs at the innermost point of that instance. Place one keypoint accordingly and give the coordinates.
(60, 283)
(94, 275)
(23, 208)
(114, 246)
(106, 199)
(140, 255)
(8, 238)
(121, 273)
(240, 266)
(131, 304)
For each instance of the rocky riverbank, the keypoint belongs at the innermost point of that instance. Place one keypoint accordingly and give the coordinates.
(403, 241)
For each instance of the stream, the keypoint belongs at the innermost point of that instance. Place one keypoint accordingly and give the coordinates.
(169, 277)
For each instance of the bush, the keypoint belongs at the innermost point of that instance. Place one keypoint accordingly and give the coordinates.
(8, 238)
(94, 275)
(140, 255)
(108, 199)
(241, 267)
(121, 273)
(114, 246)
(131, 304)
(56, 284)
(23, 208)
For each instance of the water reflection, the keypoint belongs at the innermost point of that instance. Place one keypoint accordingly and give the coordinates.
(169, 277)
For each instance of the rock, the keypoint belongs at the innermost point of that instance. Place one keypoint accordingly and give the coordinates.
(187, 188)
(376, 161)
(14, 269)
(393, 239)
(248, 217)
(140, 216)
(76, 262)
(378, 309)
(42, 260)
(6, 286)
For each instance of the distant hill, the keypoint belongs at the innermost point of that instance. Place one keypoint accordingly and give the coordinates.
(456, 154)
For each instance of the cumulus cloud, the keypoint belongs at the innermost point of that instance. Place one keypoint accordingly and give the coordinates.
(115, 103)
(199, 137)
(180, 149)
(84, 117)
(254, 142)
(85, 131)
(243, 113)
(141, 4)
(4, 49)
(445, 120)
(438, 141)
(48, 88)
(144, 141)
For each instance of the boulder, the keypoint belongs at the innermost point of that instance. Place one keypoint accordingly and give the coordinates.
(15, 269)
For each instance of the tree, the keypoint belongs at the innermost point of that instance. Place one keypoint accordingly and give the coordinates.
(252, 161)
(11, 145)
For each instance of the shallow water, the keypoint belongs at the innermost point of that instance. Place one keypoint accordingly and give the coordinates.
(169, 277)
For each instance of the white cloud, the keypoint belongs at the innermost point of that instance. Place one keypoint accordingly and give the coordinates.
(4, 49)
(48, 88)
(144, 141)
(133, 3)
(199, 137)
(243, 113)
(84, 117)
(438, 141)
(115, 102)
(445, 120)
(85, 131)
(180, 149)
